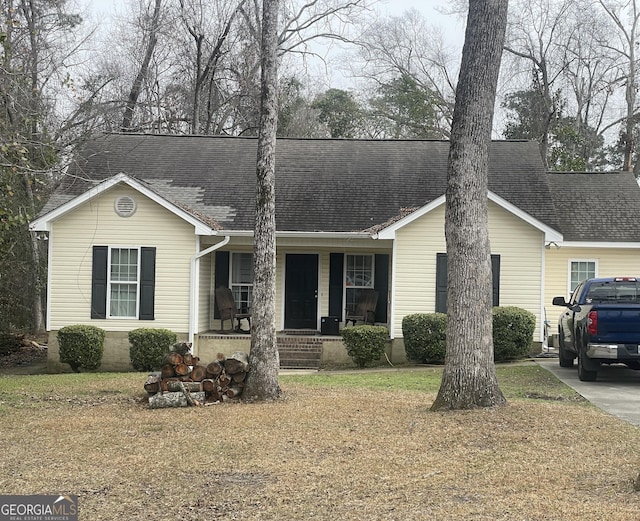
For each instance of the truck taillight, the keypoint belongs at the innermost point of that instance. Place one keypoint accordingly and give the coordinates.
(592, 323)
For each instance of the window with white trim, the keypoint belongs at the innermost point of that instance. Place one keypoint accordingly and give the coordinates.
(241, 280)
(580, 270)
(359, 274)
(123, 282)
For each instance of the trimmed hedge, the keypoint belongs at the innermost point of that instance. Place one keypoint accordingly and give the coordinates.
(149, 347)
(81, 346)
(365, 344)
(512, 332)
(425, 337)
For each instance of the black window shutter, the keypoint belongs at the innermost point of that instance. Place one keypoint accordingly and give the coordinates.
(495, 275)
(381, 285)
(336, 284)
(221, 277)
(147, 283)
(99, 282)
(441, 283)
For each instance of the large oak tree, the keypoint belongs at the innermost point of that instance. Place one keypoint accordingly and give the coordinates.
(262, 383)
(469, 378)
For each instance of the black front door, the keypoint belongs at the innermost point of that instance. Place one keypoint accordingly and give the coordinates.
(301, 291)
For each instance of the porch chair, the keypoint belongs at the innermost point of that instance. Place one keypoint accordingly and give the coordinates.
(228, 309)
(365, 308)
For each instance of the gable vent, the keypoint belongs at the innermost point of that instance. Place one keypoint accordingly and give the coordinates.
(125, 206)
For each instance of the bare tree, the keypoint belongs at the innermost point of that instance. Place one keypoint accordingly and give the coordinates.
(405, 46)
(262, 383)
(626, 18)
(469, 378)
(37, 37)
(134, 93)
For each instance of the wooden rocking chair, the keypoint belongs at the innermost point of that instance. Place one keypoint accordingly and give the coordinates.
(365, 309)
(228, 309)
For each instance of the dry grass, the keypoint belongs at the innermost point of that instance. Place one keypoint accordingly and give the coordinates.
(343, 450)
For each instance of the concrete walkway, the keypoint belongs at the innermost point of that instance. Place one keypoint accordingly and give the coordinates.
(616, 391)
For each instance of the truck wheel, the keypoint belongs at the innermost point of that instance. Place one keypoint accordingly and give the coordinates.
(585, 375)
(565, 358)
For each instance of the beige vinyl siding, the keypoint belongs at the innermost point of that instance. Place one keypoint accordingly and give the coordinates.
(610, 262)
(96, 224)
(518, 243)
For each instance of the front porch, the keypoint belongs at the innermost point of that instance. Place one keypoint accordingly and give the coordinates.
(298, 349)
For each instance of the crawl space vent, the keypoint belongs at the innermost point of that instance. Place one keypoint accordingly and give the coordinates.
(125, 206)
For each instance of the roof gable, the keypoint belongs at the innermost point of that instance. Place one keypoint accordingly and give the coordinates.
(550, 235)
(44, 222)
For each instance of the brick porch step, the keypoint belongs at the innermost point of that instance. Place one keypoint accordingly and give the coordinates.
(300, 352)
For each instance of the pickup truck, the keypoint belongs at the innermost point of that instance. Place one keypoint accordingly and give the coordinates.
(601, 325)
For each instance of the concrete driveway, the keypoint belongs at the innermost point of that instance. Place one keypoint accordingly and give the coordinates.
(616, 390)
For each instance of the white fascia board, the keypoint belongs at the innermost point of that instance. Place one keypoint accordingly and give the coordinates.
(603, 245)
(550, 235)
(43, 224)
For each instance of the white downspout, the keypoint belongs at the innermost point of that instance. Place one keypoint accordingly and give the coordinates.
(195, 282)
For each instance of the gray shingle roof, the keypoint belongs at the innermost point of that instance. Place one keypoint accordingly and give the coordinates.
(597, 207)
(321, 184)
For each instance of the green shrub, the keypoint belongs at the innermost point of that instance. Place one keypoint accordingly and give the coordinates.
(512, 332)
(81, 346)
(425, 337)
(149, 347)
(365, 344)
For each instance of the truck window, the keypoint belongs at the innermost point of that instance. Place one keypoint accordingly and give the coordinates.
(575, 296)
(613, 291)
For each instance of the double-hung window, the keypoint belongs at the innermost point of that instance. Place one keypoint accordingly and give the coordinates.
(359, 275)
(580, 270)
(123, 282)
(242, 280)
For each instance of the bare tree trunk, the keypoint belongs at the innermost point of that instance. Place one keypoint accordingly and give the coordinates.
(134, 94)
(628, 35)
(469, 378)
(262, 380)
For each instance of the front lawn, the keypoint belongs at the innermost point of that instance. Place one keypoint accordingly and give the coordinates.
(338, 446)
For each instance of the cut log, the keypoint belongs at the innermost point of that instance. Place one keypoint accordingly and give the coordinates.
(239, 377)
(164, 384)
(152, 385)
(214, 369)
(198, 373)
(213, 396)
(233, 391)
(173, 358)
(173, 399)
(189, 359)
(208, 385)
(223, 380)
(182, 369)
(167, 371)
(193, 387)
(237, 362)
(220, 357)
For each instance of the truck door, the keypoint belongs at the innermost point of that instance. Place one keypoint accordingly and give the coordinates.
(568, 318)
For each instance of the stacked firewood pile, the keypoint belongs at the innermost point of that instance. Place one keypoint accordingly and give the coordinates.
(184, 381)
